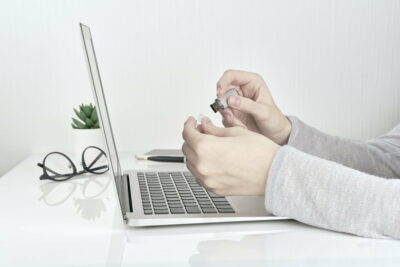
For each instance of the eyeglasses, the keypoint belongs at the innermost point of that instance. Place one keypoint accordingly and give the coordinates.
(59, 167)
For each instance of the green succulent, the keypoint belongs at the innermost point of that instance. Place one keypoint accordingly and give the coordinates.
(88, 117)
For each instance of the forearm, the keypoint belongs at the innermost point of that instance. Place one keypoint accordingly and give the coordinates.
(380, 156)
(328, 195)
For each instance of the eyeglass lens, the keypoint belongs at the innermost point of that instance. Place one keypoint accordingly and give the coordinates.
(58, 166)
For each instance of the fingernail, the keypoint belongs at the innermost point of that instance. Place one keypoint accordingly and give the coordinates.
(234, 101)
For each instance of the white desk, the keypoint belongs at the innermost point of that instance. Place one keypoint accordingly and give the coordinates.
(78, 223)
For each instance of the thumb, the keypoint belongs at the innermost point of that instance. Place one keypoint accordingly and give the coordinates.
(209, 128)
(246, 105)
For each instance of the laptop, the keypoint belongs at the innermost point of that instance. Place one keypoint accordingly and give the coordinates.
(151, 198)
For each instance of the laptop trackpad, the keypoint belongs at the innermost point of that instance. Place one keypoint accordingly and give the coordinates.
(248, 205)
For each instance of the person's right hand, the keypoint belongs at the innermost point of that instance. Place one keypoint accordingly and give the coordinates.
(254, 108)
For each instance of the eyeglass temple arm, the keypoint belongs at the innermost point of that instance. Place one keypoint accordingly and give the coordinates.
(94, 169)
(99, 168)
(95, 160)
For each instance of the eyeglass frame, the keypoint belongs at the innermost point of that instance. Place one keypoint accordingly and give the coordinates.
(86, 169)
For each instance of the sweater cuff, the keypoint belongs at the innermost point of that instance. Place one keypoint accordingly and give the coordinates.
(276, 172)
(295, 137)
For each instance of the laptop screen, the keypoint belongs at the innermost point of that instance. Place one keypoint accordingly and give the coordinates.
(101, 106)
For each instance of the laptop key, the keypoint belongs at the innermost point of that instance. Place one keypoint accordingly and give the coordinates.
(161, 212)
(159, 205)
(170, 193)
(177, 210)
(207, 206)
(204, 201)
(192, 210)
(217, 204)
(209, 210)
(190, 205)
(160, 209)
(223, 206)
(158, 201)
(172, 196)
(226, 211)
(188, 199)
(157, 197)
(175, 205)
(175, 199)
(219, 199)
(211, 194)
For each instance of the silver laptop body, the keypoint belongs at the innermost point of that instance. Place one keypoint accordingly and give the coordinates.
(169, 197)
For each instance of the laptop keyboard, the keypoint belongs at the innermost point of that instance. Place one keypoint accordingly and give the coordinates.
(178, 193)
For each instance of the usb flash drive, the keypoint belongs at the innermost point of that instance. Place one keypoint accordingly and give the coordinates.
(221, 102)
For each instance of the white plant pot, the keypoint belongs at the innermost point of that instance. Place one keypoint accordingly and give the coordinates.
(83, 138)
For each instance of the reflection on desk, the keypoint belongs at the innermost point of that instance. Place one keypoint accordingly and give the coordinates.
(87, 192)
(79, 222)
(257, 244)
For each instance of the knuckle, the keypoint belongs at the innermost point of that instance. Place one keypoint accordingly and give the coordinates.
(257, 75)
(200, 146)
(202, 169)
(227, 71)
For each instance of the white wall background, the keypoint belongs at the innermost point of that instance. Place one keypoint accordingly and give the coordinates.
(335, 64)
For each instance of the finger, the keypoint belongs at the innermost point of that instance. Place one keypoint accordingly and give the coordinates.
(246, 105)
(209, 128)
(230, 120)
(190, 134)
(188, 152)
(192, 168)
(226, 124)
(226, 114)
(234, 77)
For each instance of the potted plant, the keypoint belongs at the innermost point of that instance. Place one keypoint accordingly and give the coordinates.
(86, 130)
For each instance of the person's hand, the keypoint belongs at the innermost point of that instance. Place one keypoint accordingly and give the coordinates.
(254, 108)
(227, 161)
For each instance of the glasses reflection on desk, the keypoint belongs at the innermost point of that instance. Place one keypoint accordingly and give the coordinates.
(88, 193)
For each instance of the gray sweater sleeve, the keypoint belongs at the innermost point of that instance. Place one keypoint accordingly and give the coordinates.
(342, 187)
(379, 156)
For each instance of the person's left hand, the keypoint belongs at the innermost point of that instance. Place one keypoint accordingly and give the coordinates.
(227, 161)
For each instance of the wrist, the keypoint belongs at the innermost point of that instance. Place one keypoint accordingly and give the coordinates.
(282, 129)
(286, 130)
(270, 149)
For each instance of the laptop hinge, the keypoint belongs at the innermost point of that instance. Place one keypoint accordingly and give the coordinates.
(126, 203)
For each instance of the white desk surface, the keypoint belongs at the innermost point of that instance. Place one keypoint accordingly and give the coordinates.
(78, 223)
